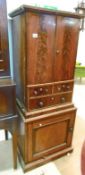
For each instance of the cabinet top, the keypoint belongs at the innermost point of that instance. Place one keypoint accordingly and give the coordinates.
(25, 8)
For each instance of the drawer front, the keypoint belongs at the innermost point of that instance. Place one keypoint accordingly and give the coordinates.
(7, 101)
(46, 134)
(63, 87)
(40, 90)
(49, 101)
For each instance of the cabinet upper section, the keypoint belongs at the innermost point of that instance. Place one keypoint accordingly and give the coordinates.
(27, 8)
(45, 44)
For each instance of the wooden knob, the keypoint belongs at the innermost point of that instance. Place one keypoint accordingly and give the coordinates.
(59, 88)
(63, 99)
(41, 89)
(68, 87)
(41, 104)
(46, 90)
(63, 85)
(52, 98)
(40, 124)
(35, 92)
(57, 51)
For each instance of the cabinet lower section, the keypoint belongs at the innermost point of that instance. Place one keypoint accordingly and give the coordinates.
(45, 137)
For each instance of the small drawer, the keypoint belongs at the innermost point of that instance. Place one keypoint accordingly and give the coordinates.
(64, 87)
(64, 98)
(40, 90)
(49, 101)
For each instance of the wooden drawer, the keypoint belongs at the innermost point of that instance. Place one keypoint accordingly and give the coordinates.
(47, 136)
(63, 87)
(7, 101)
(39, 90)
(38, 103)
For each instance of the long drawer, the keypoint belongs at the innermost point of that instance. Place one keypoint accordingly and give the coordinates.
(38, 103)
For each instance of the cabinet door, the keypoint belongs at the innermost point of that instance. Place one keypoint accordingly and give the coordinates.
(50, 135)
(67, 30)
(40, 47)
(4, 48)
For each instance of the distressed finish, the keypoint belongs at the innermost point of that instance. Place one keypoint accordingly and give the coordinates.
(44, 46)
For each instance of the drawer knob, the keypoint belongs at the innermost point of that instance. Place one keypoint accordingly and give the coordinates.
(57, 51)
(59, 89)
(68, 87)
(63, 85)
(40, 124)
(41, 104)
(63, 99)
(35, 92)
(46, 90)
(52, 98)
(41, 89)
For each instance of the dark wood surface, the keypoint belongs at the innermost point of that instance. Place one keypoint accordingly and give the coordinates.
(44, 51)
(8, 116)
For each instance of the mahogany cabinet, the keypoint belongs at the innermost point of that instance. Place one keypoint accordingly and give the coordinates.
(44, 55)
(7, 85)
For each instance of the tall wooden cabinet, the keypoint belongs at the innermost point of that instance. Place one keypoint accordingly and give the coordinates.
(44, 48)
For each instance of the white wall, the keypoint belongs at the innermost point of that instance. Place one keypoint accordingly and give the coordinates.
(67, 5)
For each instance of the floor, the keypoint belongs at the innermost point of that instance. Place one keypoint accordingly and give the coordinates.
(66, 165)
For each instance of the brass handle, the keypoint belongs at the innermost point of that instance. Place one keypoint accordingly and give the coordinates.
(41, 104)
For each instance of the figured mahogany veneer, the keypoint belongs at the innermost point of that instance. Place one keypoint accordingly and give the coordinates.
(44, 47)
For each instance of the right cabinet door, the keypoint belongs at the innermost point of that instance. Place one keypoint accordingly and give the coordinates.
(51, 135)
(67, 31)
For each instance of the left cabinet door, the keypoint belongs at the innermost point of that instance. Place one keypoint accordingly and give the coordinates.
(40, 47)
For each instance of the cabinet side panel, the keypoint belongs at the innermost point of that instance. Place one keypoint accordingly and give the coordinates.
(18, 28)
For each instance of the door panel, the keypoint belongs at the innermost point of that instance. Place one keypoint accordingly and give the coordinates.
(40, 47)
(67, 30)
(47, 137)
